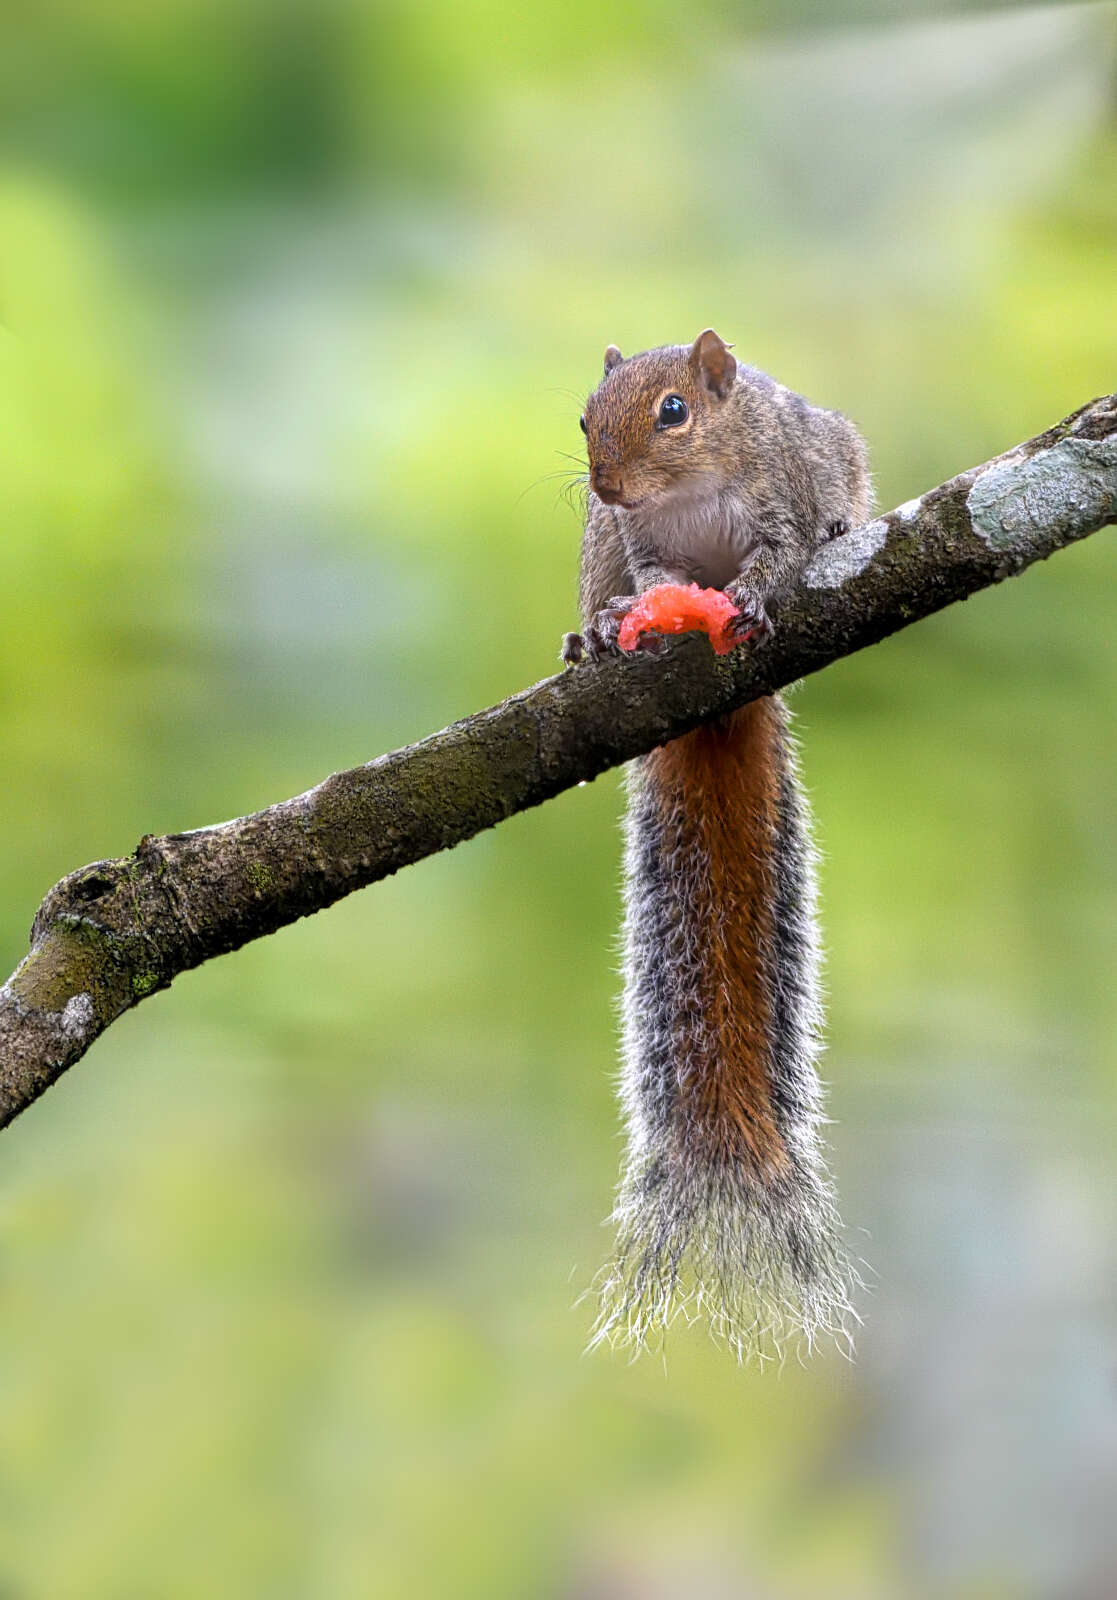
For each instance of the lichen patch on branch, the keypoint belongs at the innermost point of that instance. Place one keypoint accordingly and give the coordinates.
(846, 557)
(1015, 503)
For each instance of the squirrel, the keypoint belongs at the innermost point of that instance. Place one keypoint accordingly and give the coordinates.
(702, 469)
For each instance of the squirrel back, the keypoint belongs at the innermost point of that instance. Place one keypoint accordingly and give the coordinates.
(725, 1206)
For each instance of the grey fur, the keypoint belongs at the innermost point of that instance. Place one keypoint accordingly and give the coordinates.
(772, 476)
(760, 1258)
(763, 482)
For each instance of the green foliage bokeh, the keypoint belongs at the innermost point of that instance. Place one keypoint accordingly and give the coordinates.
(297, 305)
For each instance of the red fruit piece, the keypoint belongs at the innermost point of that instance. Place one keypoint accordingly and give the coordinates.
(681, 608)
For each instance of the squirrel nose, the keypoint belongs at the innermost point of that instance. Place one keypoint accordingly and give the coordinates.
(605, 477)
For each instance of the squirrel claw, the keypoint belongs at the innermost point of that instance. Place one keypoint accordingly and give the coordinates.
(753, 625)
(600, 637)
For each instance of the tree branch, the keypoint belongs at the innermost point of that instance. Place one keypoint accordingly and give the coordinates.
(113, 933)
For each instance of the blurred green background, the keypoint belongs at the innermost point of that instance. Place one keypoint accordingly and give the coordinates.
(297, 306)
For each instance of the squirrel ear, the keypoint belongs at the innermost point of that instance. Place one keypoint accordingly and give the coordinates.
(613, 358)
(712, 364)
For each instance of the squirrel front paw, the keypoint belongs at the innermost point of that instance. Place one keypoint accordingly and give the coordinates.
(752, 624)
(600, 635)
(598, 639)
(601, 631)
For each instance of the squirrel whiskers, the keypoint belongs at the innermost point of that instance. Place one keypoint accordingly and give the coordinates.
(703, 470)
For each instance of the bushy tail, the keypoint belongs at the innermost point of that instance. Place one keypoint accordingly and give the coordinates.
(725, 1208)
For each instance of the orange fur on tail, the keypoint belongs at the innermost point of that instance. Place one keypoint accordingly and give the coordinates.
(725, 1205)
(719, 792)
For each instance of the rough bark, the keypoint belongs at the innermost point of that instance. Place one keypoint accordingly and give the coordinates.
(113, 933)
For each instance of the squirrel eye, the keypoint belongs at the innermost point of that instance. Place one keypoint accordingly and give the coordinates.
(673, 411)
(582, 423)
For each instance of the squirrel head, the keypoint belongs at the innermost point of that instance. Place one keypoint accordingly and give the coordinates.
(656, 423)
